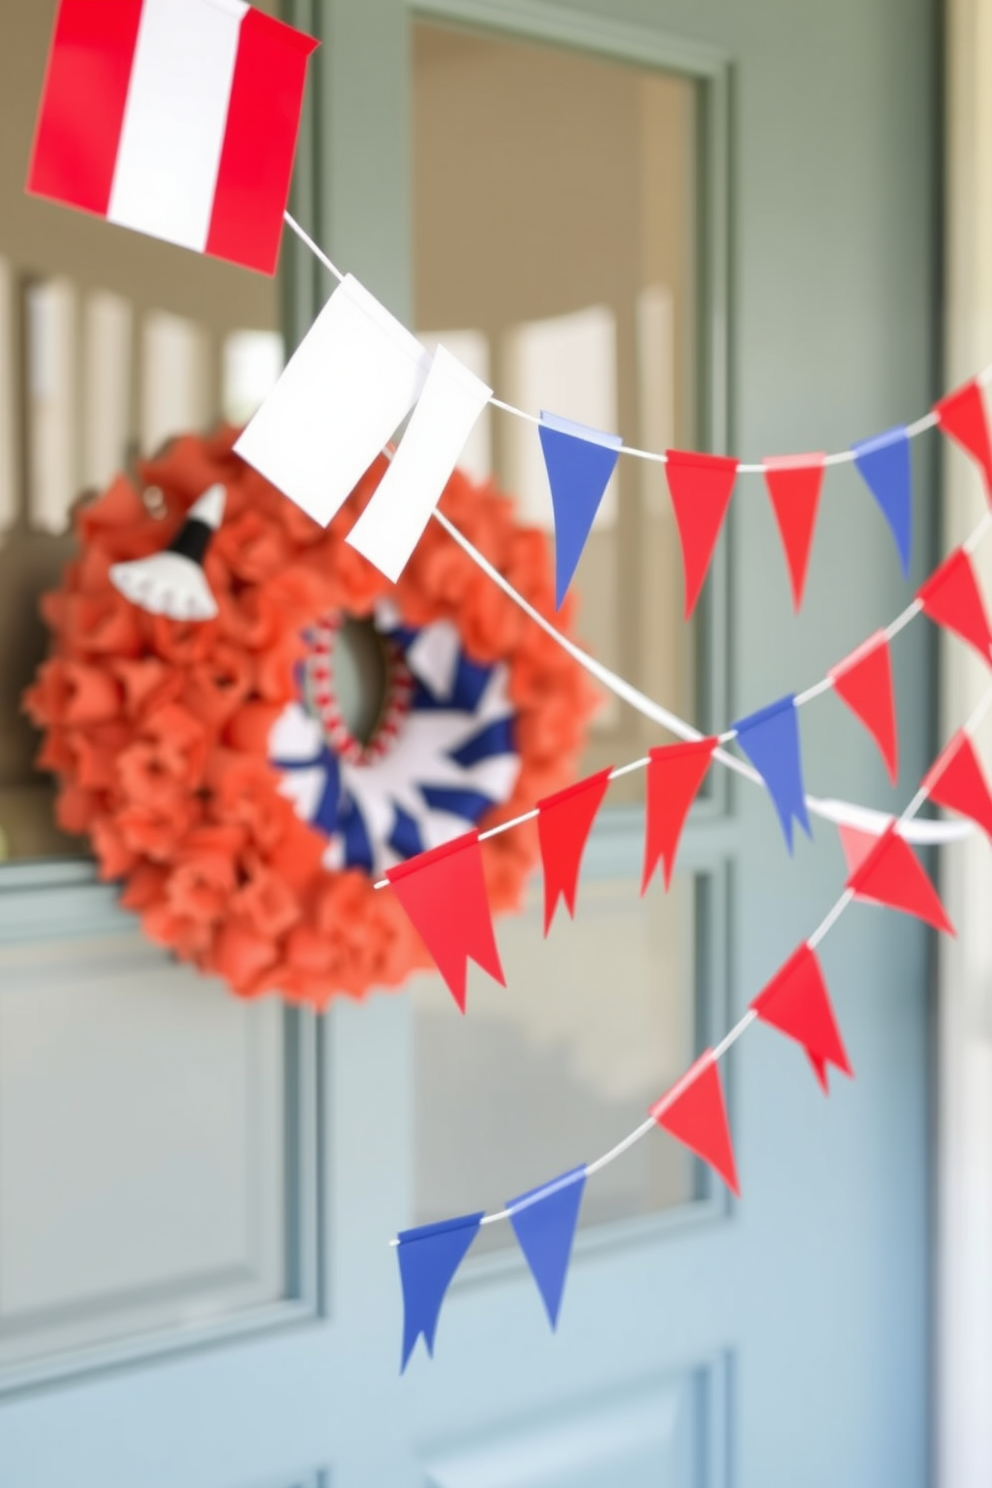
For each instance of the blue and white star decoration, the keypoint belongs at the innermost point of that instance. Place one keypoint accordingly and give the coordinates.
(442, 755)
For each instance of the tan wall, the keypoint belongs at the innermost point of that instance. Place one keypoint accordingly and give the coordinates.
(39, 240)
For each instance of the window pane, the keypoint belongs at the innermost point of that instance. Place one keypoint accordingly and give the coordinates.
(554, 224)
(594, 1024)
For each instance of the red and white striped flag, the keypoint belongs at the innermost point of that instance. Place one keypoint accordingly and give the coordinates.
(177, 118)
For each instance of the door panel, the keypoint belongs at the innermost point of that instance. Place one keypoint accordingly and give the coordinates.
(256, 1163)
(156, 1153)
(657, 1436)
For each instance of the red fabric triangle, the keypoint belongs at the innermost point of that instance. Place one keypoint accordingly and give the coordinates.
(700, 487)
(864, 681)
(563, 828)
(856, 844)
(794, 483)
(820, 1071)
(444, 893)
(962, 415)
(695, 1113)
(675, 773)
(891, 875)
(951, 597)
(956, 780)
(797, 1003)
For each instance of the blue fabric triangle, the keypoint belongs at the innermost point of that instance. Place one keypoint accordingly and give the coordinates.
(579, 462)
(884, 464)
(770, 739)
(429, 1257)
(544, 1221)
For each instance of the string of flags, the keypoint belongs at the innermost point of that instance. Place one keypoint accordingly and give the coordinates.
(194, 143)
(314, 454)
(443, 891)
(795, 1002)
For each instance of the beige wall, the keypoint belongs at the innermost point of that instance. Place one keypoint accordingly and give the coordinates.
(40, 240)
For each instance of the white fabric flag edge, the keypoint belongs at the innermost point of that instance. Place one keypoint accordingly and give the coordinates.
(175, 119)
(394, 521)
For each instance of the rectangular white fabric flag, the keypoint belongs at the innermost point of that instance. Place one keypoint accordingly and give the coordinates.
(391, 525)
(350, 383)
(176, 118)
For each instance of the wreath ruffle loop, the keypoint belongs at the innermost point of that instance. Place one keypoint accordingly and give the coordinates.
(159, 730)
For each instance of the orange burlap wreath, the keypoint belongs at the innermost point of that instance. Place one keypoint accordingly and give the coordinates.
(158, 729)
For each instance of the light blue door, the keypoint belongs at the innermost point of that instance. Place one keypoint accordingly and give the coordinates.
(196, 1196)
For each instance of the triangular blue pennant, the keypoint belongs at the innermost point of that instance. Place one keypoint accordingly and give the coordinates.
(770, 739)
(579, 462)
(429, 1257)
(544, 1221)
(884, 464)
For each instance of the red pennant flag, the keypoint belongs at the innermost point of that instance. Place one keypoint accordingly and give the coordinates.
(563, 828)
(864, 681)
(956, 780)
(675, 773)
(856, 844)
(700, 487)
(444, 893)
(797, 1003)
(694, 1112)
(891, 875)
(794, 483)
(951, 597)
(962, 415)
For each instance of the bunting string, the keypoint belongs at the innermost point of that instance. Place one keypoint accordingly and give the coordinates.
(840, 457)
(795, 1002)
(798, 803)
(838, 812)
(374, 372)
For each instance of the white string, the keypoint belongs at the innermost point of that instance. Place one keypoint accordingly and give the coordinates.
(318, 253)
(749, 1017)
(840, 457)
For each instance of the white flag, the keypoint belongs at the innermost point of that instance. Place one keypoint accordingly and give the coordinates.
(352, 380)
(391, 525)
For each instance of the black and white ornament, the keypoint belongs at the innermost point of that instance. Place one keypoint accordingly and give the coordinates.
(172, 582)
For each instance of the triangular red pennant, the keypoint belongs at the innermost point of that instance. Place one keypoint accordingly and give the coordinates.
(794, 483)
(956, 780)
(864, 681)
(797, 1003)
(951, 597)
(675, 773)
(856, 844)
(695, 1113)
(891, 875)
(563, 827)
(444, 893)
(962, 415)
(700, 487)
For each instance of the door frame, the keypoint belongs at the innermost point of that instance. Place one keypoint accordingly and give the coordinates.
(963, 1293)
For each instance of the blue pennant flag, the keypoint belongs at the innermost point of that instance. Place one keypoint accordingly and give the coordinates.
(770, 739)
(544, 1221)
(580, 462)
(429, 1257)
(884, 464)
